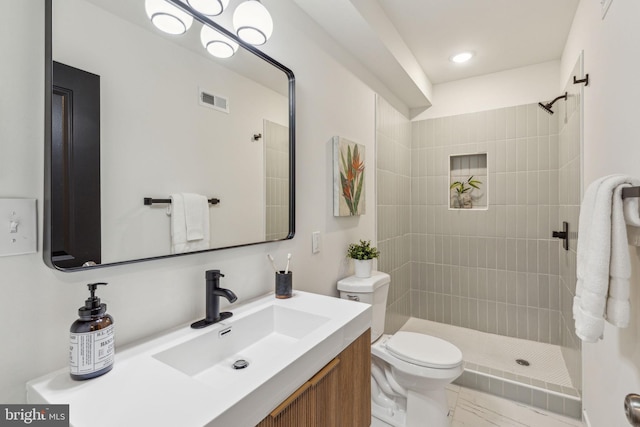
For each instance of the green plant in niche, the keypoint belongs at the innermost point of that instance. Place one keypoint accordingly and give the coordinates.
(362, 250)
(463, 192)
(463, 187)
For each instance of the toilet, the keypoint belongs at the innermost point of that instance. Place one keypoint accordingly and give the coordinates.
(409, 370)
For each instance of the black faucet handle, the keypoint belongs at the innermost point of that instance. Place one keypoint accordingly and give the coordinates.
(213, 274)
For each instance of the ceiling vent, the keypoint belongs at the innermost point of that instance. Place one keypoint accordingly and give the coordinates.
(217, 102)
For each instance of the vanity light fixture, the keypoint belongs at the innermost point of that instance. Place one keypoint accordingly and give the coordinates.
(252, 22)
(209, 7)
(216, 43)
(461, 57)
(167, 17)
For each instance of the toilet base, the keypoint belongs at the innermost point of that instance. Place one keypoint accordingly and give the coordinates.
(395, 405)
(384, 417)
(426, 411)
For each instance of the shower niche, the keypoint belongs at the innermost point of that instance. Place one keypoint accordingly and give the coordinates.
(468, 181)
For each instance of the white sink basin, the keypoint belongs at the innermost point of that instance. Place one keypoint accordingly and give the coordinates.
(256, 339)
(186, 377)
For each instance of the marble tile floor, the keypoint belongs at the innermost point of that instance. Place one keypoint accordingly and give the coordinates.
(472, 408)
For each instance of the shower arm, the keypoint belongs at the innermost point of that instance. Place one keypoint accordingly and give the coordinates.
(556, 99)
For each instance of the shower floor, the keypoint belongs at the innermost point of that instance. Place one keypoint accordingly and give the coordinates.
(490, 366)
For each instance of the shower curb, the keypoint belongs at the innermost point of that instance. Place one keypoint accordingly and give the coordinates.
(548, 396)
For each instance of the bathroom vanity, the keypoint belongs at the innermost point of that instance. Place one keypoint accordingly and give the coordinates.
(308, 364)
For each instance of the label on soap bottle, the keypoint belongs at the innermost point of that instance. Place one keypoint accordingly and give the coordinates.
(91, 351)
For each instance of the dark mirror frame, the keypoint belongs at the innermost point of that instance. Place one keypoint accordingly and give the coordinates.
(48, 178)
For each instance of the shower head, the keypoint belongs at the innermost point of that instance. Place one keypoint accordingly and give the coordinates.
(547, 107)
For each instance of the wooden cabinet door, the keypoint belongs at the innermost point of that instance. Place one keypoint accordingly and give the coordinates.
(355, 383)
(314, 404)
(339, 395)
(325, 387)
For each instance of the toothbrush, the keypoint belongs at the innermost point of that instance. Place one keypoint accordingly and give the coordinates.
(286, 270)
(273, 263)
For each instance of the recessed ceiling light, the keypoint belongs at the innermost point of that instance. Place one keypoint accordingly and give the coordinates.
(461, 57)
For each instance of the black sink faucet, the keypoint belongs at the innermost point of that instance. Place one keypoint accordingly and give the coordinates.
(213, 294)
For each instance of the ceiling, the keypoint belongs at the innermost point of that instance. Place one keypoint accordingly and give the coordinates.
(407, 43)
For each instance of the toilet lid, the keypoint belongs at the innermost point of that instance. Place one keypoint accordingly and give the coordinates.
(424, 350)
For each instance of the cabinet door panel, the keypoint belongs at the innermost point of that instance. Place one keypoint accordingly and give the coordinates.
(355, 383)
(339, 395)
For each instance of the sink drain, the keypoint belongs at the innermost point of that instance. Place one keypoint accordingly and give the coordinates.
(522, 362)
(240, 364)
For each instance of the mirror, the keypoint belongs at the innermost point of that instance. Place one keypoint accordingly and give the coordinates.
(135, 113)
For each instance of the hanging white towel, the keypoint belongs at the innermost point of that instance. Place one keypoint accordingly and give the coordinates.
(189, 223)
(603, 265)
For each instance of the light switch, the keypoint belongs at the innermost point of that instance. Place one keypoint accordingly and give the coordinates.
(18, 227)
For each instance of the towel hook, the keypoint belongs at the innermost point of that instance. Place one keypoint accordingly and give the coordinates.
(584, 80)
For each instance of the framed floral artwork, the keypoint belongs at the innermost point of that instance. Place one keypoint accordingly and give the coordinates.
(348, 178)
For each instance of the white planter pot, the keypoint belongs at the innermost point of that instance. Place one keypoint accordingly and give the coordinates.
(363, 267)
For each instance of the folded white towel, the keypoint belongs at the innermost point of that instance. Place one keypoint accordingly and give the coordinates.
(603, 266)
(618, 306)
(189, 223)
(196, 210)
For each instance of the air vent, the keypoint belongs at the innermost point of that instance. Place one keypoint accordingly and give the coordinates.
(217, 102)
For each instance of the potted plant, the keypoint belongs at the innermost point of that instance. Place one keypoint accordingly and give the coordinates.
(362, 254)
(463, 191)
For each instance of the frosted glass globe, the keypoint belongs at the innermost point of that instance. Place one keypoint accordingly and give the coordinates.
(167, 17)
(217, 44)
(252, 22)
(209, 7)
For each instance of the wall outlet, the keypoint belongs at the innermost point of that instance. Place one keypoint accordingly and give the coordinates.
(18, 226)
(315, 242)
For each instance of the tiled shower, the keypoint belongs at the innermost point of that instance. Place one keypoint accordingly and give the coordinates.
(393, 184)
(493, 267)
(495, 270)
(276, 138)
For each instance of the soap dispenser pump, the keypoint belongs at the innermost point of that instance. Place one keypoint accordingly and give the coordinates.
(91, 346)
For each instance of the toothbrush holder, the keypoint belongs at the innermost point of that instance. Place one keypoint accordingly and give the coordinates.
(284, 284)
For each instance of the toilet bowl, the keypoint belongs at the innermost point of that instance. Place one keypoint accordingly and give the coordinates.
(409, 370)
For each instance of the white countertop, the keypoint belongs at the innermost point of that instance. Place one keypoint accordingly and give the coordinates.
(143, 390)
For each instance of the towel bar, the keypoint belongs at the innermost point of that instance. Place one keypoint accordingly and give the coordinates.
(149, 201)
(630, 192)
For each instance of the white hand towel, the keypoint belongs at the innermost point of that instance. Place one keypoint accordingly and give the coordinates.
(603, 266)
(196, 211)
(181, 215)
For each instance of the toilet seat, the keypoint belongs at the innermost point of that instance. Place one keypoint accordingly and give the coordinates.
(424, 350)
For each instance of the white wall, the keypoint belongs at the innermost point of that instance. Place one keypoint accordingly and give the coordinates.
(38, 305)
(611, 367)
(518, 86)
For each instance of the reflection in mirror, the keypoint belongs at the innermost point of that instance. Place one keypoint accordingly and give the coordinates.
(171, 120)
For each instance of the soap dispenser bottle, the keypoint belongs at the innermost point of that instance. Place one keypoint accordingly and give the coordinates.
(91, 346)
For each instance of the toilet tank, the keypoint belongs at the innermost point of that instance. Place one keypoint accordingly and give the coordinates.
(371, 290)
